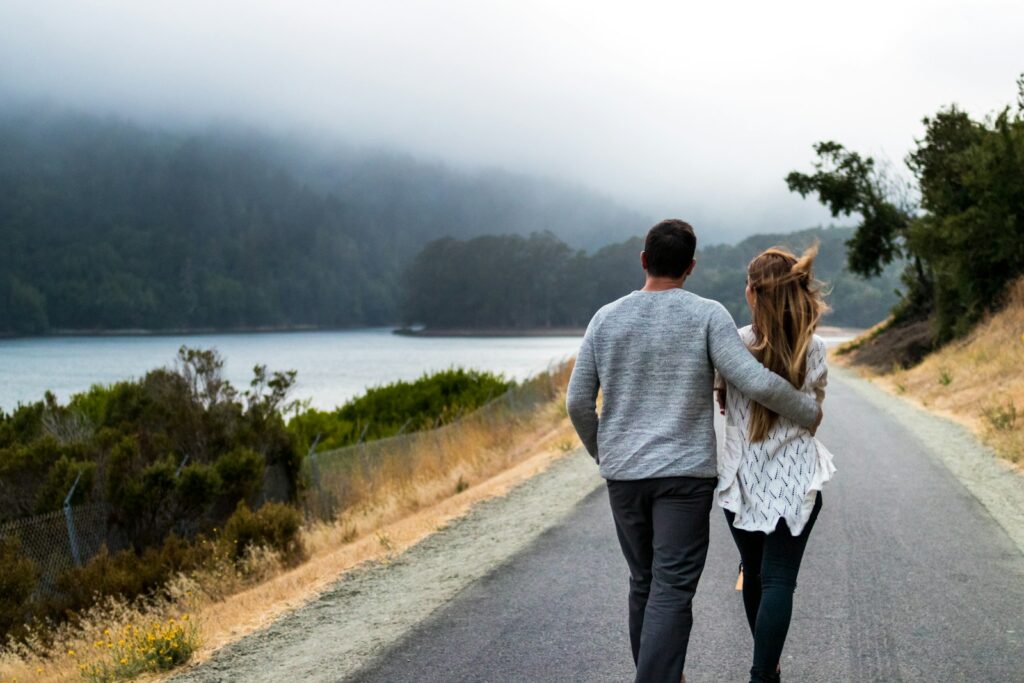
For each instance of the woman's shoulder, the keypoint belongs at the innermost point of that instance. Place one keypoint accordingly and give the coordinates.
(747, 334)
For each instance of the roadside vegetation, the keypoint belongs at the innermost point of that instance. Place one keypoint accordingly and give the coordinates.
(399, 408)
(204, 492)
(978, 379)
(957, 226)
(954, 340)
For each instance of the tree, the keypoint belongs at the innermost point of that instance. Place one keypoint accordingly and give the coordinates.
(966, 242)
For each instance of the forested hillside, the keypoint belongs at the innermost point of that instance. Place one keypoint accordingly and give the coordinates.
(107, 225)
(508, 281)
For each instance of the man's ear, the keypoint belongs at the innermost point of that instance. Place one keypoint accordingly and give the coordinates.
(690, 269)
(643, 260)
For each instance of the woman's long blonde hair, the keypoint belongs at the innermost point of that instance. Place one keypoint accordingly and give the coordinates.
(788, 303)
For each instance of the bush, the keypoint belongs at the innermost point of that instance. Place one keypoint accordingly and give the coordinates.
(275, 525)
(126, 574)
(198, 486)
(170, 455)
(384, 411)
(18, 576)
(240, 472)
(156, 646)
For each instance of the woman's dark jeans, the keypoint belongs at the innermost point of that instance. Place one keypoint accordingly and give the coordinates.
(770, 565)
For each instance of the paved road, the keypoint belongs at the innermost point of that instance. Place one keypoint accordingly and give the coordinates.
(906, 578)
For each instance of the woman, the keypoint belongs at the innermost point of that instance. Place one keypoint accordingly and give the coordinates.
(772, 470)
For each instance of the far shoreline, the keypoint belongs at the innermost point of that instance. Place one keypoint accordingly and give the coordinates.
(456, 332)
(185, 331)
(488, 332)
(484, 332)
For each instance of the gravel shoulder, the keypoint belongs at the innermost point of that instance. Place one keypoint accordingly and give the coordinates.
(997, 485)
(371, 608)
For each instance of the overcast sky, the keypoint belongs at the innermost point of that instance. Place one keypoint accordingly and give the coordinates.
(695, 110)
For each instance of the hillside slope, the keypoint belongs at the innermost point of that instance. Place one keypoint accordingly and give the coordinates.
(111, 225)
(978, 380)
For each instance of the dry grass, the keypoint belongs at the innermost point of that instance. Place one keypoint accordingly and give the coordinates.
(379, 534)
(392, 502)
(978, 381)
(417, 469)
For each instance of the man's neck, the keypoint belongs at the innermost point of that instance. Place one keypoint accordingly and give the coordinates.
(662, 284)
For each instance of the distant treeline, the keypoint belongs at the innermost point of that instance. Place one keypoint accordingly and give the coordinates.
(510, 281)
(106, 225)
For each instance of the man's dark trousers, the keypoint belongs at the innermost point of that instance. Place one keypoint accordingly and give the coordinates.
(663, 528)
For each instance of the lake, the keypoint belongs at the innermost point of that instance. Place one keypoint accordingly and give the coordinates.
(332, 366)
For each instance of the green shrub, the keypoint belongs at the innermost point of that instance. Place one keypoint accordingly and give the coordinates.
(240, 472)
(129, 443)
(126, 574)
(18, 576)
(275, 525)
(384, 411)
(59, 480)
(156, 646)
(198, 485)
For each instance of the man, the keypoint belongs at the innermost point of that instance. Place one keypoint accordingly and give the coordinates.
(653, 354)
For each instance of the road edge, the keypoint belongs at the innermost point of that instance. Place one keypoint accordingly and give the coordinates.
(995, 483)
(384, 601)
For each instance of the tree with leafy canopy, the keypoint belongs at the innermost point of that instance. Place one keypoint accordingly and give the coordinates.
(961, 229)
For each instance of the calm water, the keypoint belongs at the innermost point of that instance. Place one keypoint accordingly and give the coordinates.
(332, 366)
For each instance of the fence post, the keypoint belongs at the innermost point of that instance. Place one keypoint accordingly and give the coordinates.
(69, 518)
(314, 473)
(181, 466)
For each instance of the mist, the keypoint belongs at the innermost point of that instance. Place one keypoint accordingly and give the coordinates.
(690, 111)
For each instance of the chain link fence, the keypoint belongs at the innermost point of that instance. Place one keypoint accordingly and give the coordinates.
(335, 480)
(341, 479)
(57, 541)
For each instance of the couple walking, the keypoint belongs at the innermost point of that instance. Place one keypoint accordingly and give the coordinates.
(656, 356)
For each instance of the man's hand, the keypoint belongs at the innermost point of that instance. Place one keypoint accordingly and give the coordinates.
(817, 423)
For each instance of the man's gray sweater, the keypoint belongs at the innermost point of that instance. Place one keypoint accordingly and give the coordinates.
(653, 355)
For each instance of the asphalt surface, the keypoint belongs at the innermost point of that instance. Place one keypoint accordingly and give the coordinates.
(907, 577)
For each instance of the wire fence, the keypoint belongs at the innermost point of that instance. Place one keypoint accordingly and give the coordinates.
(345, 478)
(335, 480)
(57, 541)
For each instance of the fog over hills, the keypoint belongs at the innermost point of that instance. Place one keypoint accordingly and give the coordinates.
(111, 225)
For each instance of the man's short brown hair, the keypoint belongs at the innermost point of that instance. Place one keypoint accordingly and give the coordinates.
(670, 246)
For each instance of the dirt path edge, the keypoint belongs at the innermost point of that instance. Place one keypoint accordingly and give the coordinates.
(372, 607)
(997, 485)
